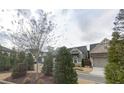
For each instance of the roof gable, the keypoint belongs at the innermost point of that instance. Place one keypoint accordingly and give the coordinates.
(5, 49)
(83, 49)
(101, 47)
(93, 46)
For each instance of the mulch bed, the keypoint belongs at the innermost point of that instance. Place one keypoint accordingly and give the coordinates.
(32, 76)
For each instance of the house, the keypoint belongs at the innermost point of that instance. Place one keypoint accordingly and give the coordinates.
(41, 56)
(78, 53)
(99, 53)
(5, 50)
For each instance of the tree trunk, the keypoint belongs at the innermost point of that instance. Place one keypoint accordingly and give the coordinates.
(37, 68)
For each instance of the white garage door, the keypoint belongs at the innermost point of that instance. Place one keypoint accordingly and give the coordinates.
(99, 62)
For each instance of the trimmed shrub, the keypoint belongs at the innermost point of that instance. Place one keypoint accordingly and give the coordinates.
(21, 57)
(1, 66)
(48, 64)
(64, 72)
(82, 63)
(4, 62)
(113, 74)
(19, 71)
(29, 61)
(13, 58)
(1, 62)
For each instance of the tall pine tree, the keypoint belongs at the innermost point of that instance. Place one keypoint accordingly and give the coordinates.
(114, 70)
(119, 21)
(64, 72)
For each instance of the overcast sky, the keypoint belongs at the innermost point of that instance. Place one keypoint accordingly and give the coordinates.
(76, 27)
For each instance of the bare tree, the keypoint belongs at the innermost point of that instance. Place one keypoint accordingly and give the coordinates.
(33, 33)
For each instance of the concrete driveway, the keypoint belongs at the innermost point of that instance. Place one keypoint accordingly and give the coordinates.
(96, 75)
(97, 71)
(96, 79)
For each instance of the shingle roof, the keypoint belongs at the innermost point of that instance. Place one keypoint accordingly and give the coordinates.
(93, 46)
(101, 47)
(5, 49)
(83, 49)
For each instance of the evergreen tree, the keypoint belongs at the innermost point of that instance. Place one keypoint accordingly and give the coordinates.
(48, 62)
(82, 63)
(1, 61)
(29, 61)
(119, 21)
(21, 57)
(13, 56)
(114, 70)
(6, 61)
(64, 72)
(20, 67)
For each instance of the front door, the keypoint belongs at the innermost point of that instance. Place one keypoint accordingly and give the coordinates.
(75, 59)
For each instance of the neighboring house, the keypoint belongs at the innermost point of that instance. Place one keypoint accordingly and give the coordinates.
(5, 50)
(99, 53)
(41, 56)
(78, 53)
